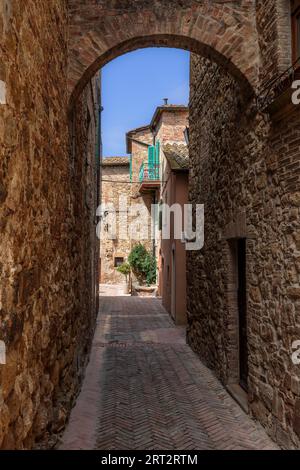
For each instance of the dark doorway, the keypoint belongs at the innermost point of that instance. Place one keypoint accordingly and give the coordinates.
(242, 307)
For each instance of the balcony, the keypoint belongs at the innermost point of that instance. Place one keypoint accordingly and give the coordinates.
(276, 97)
(149, 177)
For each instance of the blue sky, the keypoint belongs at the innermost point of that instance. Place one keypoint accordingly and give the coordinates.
(133, 85)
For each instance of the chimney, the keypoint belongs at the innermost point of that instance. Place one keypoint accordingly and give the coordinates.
(166, 101)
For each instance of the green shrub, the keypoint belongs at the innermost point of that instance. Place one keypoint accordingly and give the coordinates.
(143, 264)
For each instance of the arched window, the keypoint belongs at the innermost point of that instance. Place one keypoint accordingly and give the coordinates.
(295, 9)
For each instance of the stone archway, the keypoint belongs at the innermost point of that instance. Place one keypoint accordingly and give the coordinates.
(47, 199)
(224, 31)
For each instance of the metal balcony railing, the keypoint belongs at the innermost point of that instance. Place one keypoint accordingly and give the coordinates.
(148, 172)
(278, 85)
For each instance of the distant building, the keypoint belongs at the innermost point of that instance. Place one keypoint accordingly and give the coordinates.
(149, 177)
(167, 126)
(174, 190)
(115, 180)
(139, 146)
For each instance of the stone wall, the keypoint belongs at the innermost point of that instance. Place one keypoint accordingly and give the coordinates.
(115, 184)
(245, 169)
(47, 300)
(274, 37)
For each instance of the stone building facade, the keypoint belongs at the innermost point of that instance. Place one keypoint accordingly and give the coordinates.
(126, 217)
(167, 127)
(245, 168)
(48, 255)
(121, 177)
(138, 142)
(114, 251)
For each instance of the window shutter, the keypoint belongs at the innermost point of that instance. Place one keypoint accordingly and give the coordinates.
(157, 152)
(151, 156)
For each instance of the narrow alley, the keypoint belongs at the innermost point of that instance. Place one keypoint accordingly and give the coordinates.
(145, 389)
(149, 226)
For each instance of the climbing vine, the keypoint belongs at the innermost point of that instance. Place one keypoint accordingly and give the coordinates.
(143, 264)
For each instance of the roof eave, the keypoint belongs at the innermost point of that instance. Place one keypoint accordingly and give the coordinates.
(130, 133)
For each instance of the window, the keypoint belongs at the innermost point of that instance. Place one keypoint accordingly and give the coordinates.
(295, 8)
(118, 261)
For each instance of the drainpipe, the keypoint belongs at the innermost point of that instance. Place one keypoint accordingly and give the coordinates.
(99, 141)
(99, 160)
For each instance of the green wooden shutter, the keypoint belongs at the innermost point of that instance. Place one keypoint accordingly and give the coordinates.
(157, 162)
(151, 156)
(157, 152)
(151, 160)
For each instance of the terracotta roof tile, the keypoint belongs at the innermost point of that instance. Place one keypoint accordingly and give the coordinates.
(115, 161)
(177, 156)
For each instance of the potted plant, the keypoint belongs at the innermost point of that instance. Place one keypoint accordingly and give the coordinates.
(125, 269)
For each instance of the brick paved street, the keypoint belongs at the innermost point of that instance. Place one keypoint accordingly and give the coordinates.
(146, 389)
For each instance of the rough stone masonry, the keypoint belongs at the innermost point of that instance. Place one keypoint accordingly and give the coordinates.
(115, 183)
(47, 293)
(246, 170)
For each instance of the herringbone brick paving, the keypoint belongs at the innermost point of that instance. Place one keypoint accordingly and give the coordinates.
(146, 389)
